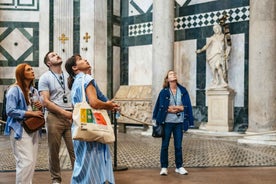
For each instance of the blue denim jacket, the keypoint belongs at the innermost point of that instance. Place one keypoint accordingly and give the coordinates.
(16, 109)
(162, 104)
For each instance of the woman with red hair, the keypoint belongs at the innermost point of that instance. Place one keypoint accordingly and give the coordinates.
(19, 107)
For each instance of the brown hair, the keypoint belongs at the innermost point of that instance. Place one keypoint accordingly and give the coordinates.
(46, 58)
(20, 77)
(68, 66)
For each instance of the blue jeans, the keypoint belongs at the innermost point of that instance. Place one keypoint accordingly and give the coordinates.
(176, 129)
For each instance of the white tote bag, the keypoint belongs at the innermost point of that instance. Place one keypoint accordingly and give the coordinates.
(90, 124)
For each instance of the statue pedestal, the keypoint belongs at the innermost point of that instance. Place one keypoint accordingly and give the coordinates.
(220, 109)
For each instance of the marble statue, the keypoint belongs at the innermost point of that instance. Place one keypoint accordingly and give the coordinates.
(217, 53)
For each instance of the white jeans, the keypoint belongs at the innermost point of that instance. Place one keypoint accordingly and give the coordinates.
(25, 153)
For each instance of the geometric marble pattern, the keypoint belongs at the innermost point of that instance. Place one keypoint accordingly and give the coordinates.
(139, 7)
(142, 151)
(210, 18)
(19, 43)
(140, 29)
(237, 14)
(181, 2)
(19, 5)
(198, 151)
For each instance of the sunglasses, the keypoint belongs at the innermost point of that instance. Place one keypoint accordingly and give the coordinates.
(61, 80)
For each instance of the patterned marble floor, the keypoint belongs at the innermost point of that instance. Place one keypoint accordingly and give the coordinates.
(137, 149)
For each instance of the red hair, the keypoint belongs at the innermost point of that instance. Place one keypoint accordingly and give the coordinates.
(20, 80)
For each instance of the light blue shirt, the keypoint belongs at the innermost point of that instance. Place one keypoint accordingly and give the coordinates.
(16, 108)
(175, 100)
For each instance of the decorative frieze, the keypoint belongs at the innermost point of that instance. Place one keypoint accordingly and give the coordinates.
(136, 104)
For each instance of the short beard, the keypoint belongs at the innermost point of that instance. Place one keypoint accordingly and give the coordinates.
(57, 64)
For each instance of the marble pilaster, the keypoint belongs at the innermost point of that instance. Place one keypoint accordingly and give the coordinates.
(162, 43)
(262, 76)
(100, 44)
(262, 65)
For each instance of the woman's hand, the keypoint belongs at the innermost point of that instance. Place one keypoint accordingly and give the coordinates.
(38, 105)
(175, 109)
(180, 108)
(113, 105)
(38, 114)
(172, 109)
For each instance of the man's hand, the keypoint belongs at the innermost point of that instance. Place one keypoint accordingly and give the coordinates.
(68, 115)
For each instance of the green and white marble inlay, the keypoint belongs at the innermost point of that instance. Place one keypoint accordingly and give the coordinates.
(17, 43)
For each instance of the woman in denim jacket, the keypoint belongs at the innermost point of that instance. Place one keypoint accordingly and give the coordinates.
(19, 106)
(173, 109)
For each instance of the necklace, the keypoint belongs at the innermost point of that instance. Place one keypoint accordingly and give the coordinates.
(174, 98)
(62, 84)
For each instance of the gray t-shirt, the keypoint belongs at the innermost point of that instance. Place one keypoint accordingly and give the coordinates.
(57, 86)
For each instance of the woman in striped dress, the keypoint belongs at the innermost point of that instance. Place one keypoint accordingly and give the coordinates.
(93, 164)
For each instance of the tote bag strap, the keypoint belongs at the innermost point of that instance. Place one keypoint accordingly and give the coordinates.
(82, 88)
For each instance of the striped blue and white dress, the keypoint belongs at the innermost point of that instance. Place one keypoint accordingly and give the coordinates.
(93, 164)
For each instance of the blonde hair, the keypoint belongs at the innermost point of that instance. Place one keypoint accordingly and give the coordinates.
(166, 83)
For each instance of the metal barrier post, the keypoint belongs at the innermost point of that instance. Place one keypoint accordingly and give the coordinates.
(115, 166)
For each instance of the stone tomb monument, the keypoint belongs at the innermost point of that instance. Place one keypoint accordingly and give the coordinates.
(136, 105)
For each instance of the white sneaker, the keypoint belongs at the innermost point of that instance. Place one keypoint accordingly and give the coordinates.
(181, 170)
(164, 171)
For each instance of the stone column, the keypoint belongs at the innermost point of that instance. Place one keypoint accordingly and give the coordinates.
(162, 43)
(262, 65)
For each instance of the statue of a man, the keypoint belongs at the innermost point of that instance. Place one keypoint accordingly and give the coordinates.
(217, 56)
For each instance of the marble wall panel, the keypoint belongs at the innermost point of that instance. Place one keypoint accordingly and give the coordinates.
(116, 30)
(117, 7)
(63, 24)
(140, 65)
(20, 16)
(100, 44)
(236, 72)
(199, 1)
(20, 5)
(44, 36)
(137, 7)
(185, 66)
(87, 24)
